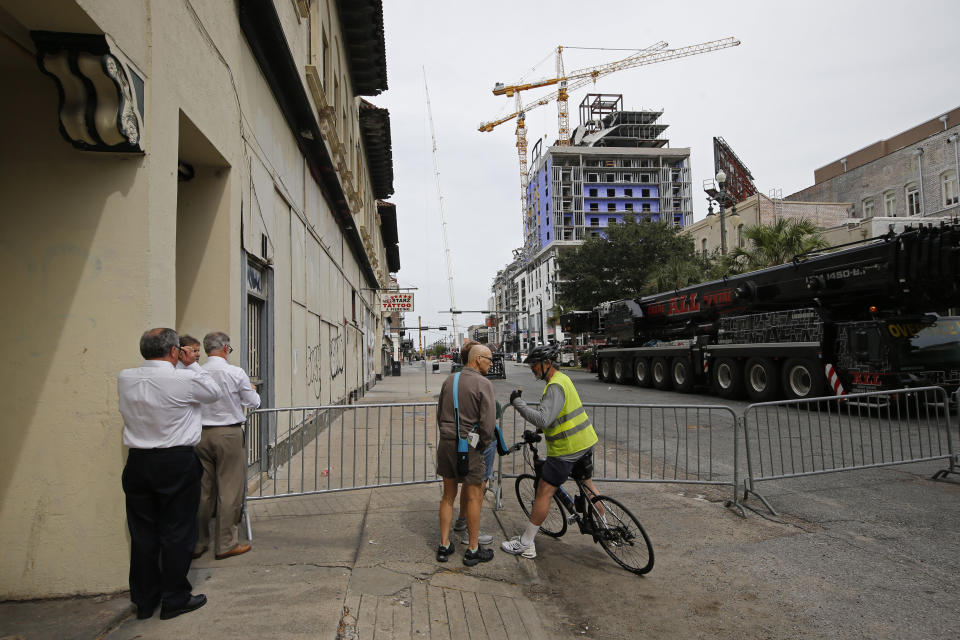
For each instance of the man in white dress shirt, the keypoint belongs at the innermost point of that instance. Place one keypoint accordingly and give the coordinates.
(160, 406)
(221, 451)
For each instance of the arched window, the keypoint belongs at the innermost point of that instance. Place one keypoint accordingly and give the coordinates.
(867, 208)
(703, 246)
(739, 235)
(948, 187)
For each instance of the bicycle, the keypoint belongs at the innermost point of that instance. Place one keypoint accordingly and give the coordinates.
(617, 530)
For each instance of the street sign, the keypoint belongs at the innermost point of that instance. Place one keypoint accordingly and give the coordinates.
(397, 302)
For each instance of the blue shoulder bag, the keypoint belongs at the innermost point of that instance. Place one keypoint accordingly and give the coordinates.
(463, 445)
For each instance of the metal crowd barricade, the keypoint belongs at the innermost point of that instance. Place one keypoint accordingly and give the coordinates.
(794, 438)
(676, 444)
(339, 447)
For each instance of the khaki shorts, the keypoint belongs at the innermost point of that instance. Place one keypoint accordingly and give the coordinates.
(447, 462)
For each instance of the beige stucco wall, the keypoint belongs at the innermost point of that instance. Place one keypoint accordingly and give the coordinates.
(97, 247)
(760, 209)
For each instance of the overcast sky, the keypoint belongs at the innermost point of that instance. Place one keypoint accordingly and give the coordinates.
(811, 82)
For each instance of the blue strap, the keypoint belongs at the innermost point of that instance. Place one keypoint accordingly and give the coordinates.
(462, 444)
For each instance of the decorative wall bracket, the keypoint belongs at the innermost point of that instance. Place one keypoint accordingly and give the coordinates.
(101, 95)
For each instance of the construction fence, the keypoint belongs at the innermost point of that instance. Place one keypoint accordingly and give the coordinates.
(304, 450)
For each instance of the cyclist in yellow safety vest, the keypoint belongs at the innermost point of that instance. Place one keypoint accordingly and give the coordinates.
(569, 435)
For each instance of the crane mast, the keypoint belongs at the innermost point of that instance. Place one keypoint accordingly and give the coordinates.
(443, 213)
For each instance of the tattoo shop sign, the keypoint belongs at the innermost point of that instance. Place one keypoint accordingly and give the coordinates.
(397, 302)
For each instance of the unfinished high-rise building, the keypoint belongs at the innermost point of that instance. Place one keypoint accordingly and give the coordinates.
(618, 163)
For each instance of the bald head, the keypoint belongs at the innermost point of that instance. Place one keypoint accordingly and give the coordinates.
(476, 352)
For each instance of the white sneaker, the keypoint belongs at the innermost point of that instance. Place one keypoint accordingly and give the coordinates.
(483, 538)
(517, 548)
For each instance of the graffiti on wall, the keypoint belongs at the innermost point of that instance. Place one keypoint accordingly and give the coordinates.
(337, 352)
(313, 370)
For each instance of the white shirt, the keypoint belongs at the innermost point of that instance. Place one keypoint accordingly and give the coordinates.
(237, 392)
(160, 404)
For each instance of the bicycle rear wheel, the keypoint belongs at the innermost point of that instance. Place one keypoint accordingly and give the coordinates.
(556, 524)
(622, 537)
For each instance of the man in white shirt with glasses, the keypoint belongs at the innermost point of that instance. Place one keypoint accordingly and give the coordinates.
(221, 452)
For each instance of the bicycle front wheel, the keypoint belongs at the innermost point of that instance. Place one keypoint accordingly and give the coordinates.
(621, 536)
(556, 524)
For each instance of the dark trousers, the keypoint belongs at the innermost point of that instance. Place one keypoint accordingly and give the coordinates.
(163, 492)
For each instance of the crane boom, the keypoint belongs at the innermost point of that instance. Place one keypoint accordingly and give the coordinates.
(443, 212)
(585, 76)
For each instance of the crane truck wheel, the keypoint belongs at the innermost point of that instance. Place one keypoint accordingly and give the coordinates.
(802, 379)
(604, 369)
(728, 378)
(621, 371)
(681, 374)
(660, 372)
(641, 372)
(762, 379)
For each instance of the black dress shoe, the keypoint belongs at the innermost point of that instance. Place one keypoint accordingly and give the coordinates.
(144, 612)
(194, 603)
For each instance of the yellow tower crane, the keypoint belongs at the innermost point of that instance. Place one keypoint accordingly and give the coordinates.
(657, 52)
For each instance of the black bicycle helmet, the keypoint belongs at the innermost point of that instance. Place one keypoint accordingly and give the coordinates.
(542, 352)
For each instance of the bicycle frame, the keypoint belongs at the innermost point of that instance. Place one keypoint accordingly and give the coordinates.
(590, 514)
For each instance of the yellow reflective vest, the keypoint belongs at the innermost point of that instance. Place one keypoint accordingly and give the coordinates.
(572, 431)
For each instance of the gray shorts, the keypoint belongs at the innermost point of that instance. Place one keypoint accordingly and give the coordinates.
(447, 463)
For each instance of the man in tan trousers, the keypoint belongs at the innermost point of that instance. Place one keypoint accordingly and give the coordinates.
(221, 451)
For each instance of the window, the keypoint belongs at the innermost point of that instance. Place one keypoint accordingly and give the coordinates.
(611, 193)
(594, 206)
(548, 235)
(628, 193)
(644, 177)
(948, 186)
(353, 303)
(645, 206)
(889, 204)
(610, 177)
(628, 206)
(594, 222)
(703, 246)
(914, 207)
(644, 193)
(868, 208)
(611, 206)
(593, 193)
(591, 177)
(739, 235)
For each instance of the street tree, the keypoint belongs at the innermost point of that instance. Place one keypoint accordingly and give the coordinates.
(620, 263)
(768, 245)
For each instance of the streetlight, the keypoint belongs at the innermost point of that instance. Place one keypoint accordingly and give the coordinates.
(721, 196)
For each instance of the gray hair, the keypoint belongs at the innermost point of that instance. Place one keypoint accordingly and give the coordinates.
(214, 341)
(156, 343)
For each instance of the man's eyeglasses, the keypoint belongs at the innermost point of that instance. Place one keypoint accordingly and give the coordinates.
(485, 358)
(229, 349)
